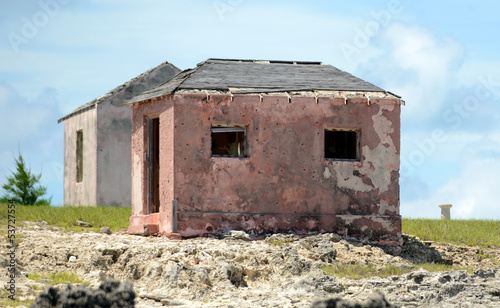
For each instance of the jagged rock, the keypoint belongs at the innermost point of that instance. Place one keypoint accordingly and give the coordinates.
(111, 293)
(153, 269)
(488, 273)
(202, 274)
(284, 270)
(171, 302)
(377, 300)
(326, 251)
(4, 262)
(318, 280)
(84, 224)
(281, 239)
(238, 235)
(229, 272)
(106, 230)
(133, 270)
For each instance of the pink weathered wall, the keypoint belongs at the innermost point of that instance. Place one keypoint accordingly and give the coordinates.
(285, 183)
(80, 193)
(113, 155)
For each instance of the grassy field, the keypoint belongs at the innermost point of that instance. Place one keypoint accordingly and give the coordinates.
(66, 217)
(482, 233)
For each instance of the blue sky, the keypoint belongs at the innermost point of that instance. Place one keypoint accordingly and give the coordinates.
(442, 57)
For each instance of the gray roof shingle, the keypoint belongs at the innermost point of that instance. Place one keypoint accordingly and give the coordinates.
(123, 93)
(261, 76)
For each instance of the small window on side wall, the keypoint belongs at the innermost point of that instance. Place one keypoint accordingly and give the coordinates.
(229, 141)
(79, 156)
(342, 144)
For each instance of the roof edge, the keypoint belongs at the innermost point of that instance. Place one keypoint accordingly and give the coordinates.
(93, 103)
(271, 92)
(76, 112)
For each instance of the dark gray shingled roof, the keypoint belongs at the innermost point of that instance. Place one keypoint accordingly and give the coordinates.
(260, 76)
(123, 93)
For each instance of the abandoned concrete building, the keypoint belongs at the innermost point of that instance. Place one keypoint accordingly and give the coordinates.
(266, 146)
(97, 163)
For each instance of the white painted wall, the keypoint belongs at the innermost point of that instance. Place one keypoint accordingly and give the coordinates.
(80, 193)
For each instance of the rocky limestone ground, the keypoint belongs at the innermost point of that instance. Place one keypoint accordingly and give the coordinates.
(240, 271)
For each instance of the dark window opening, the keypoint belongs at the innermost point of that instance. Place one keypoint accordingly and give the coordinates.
(342, 144)
(229, 141)
(79, 156)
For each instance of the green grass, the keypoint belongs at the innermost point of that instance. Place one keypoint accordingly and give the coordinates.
(5, 301)
(57, 278)
(66, 217)
(481, 233)
(357, 271)
(439, 267)
(279, 242)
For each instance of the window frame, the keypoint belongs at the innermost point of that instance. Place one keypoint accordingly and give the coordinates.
(79, 156)
(243, 147)
(357, 131)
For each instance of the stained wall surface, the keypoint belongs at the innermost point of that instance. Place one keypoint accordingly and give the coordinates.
(285, 183)
(84, 192)
(113, 174)
(111, 156)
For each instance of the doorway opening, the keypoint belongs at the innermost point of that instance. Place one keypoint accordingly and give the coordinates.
(153, 162)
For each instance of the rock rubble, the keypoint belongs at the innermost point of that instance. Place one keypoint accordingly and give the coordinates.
(241, 271)
(110, 294)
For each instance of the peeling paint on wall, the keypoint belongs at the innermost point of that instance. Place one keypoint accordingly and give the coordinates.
(379, 160)
(285, 183)
(346, 179)
(327, 174)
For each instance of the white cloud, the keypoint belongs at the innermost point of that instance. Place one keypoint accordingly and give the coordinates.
(474, 193)
(472, 71)
(20, 119)
(30, 125)
(88, 51)
(418, 50)
(418, 65)
(447, 147)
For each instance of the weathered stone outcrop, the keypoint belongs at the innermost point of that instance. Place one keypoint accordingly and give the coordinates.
(280, 270)
(111, 294)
